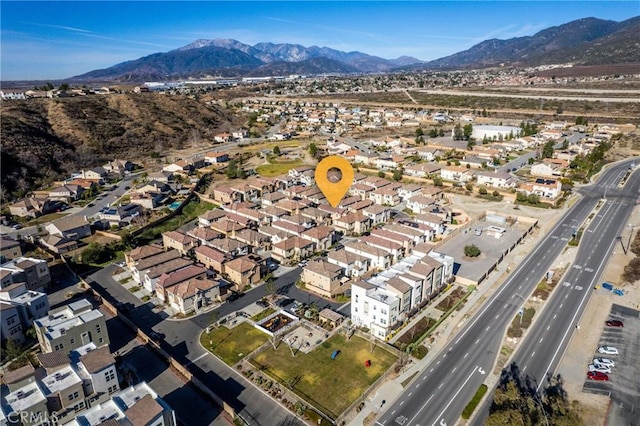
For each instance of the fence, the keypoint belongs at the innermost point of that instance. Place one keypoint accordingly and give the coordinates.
(175, 365)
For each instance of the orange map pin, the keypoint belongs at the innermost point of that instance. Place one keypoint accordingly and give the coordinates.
(334, 175)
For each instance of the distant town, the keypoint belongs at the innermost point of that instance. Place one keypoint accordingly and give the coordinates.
(224, 261)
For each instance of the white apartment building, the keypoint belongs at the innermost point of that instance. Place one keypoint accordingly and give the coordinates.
(374, 307)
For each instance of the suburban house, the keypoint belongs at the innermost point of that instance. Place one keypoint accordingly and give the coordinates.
(243, 271)
(211, 258)
(183, 243)
(324, 278)
(377, 213)
(353, 223)
(544, 188)
(456, 174)
(210, 216)
(58, 244)
(216, 157)
(378, 258)
(550, 167)
(169, 279)
(9, 248)
(354, 265)
(30, 207)
(34, 272)
(434, 221)
(72, 227)
(193, 295)
(421, 204)
(66, 193)
(293, 249)
(323, 236)
(180, 167)
(496, 179)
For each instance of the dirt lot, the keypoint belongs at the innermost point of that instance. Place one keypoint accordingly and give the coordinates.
(573, 366)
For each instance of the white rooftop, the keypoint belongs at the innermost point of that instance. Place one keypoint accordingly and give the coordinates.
(60, 380)
(25, 397)
(71, 316)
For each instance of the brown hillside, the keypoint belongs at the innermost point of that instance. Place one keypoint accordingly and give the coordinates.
(45, 139)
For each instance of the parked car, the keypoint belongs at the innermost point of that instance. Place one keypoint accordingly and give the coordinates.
(596, 375)
(478, 231)
(262, 303)
(600, 368)
(285, 302)
(604, 361)
(16, 226)
(614, 323)
(608, 350)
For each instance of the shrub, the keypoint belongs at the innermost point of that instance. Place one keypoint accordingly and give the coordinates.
(471, 250)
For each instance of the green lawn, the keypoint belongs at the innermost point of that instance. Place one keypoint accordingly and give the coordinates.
(276, 169)
(190, 211)
(231, 345)
(45, 218)
(471, 406)
(329, 384)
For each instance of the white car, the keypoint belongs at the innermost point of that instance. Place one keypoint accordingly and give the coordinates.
(608, 350)
(599, 368)
(604, 361)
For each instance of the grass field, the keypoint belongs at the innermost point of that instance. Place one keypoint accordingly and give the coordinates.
(231, 345)
(275, 169)
(329, 384)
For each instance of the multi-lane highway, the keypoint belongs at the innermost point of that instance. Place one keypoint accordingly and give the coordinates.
(439, 393)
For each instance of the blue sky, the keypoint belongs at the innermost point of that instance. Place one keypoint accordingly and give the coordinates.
(54, 40)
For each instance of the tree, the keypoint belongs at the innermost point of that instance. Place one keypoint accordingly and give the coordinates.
(270, 287)
(437, 181)
(441, 132)
(470, 144)
(471, 250)
(457, 132)
(419, 132)
(433, 133)
(420, 140)
(565, 144)
(276, 150)
(467, 130)
(397, 174)
(547, 150)
(482, 191)
(313, 149)
(531, 160)
(533, 199)
(381, 174)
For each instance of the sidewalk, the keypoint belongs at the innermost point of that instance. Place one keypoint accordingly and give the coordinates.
(389, 391)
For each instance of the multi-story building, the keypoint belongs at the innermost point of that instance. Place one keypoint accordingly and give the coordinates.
(33, 272)
(324, 278)
(28, 305)
(374, 307)
(9, 248)
(72, 326)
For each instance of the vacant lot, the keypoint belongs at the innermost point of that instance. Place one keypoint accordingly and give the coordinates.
(276, 169)
(329, 384)
(231, 345)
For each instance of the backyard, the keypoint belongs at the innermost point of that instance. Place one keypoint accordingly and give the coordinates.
(231, 345)
(329, 384)
(277, 168)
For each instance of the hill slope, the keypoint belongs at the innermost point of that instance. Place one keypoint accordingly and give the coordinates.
(584, 42)
(44, 139)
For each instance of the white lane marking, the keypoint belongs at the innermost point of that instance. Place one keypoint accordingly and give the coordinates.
(454, 369)
(524, 369)
(477, 340)
(548, 327)
(455, 396)
(554, 316)
(584, 297)
(424, 378)
(402, 403)
(487, 329)
(440, 387)
(561, 305)
(534, 352)
(541, 339)
(410, 393)
(505, 305)
(466, 355)
(430, 371)
(438, 363)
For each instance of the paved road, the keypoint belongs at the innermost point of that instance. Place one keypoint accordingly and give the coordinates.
(110, 197)
(180, 339)
(540, 352)
(439, 393)
(530, 96)
(523, 160)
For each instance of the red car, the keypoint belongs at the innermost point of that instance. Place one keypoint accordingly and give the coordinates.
(596, 375)
(614, 323)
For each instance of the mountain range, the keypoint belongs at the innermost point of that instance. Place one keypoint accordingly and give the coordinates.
(588, 41)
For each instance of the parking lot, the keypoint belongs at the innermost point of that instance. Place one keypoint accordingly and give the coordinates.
(623, 385)
(493, 249)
